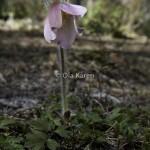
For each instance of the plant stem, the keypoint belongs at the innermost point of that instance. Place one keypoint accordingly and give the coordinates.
(63, 70)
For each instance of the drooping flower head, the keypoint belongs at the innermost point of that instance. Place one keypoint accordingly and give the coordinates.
(61, 23)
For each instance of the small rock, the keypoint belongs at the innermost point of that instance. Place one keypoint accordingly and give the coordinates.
(2, 79)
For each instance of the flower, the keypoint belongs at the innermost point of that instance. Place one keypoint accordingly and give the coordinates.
(61, 23)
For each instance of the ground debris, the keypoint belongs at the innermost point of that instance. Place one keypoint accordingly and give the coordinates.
(28, 64)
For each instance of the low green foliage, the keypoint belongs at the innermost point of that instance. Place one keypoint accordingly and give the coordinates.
(63, 132)
(36, 140)
(119, 127)
(11, 143)
(52, 144)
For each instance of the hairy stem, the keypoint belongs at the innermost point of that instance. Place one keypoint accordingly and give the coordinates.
(63, 70)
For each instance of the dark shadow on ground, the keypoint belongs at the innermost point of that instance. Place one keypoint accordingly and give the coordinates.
(28, 65)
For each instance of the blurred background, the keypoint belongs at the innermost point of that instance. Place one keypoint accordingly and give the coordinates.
(119, 18)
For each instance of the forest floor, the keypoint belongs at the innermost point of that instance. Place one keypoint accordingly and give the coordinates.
(28, 64)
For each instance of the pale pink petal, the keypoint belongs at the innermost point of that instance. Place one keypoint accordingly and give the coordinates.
(73, 9)
(55, 16)
(79, 30)
(48, 33)
(66, 34)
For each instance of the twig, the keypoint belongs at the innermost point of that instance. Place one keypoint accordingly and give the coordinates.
(104, 95)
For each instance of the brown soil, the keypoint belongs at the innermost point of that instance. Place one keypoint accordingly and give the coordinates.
(28, 65)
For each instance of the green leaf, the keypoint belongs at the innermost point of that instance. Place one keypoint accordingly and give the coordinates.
(52, 144)
(115, 113)
(6, 122)
(85, 131)
(101, 139)
(63, 132)
(13, 147)
(57, 122)
(13, 139)
(40, 124)
(36, 140)
(94, 117)
(2, 139)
